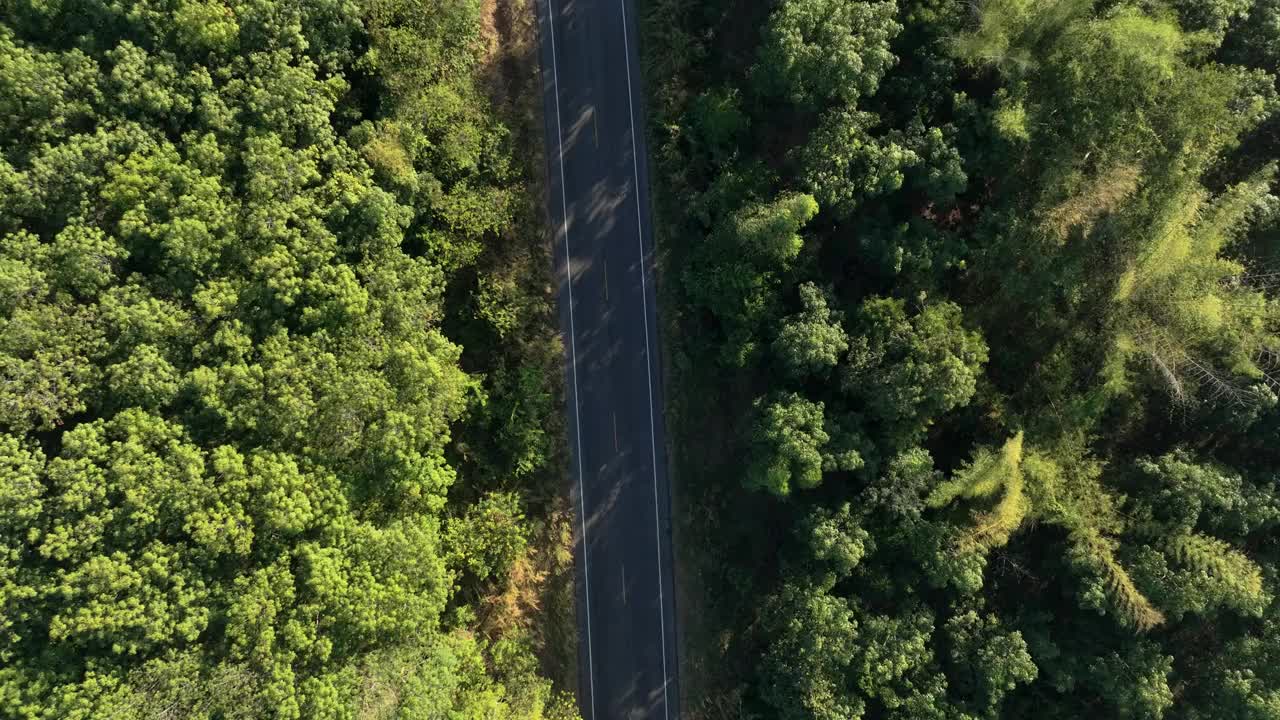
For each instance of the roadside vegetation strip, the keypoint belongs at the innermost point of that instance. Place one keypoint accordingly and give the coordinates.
(510, 73)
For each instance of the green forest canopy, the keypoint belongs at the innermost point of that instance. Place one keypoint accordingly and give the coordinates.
(986, 295)
(232, 234)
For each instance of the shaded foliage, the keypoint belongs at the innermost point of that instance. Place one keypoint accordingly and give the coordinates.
(1034, 301)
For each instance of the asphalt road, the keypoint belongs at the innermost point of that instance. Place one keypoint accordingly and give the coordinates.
(599, 206)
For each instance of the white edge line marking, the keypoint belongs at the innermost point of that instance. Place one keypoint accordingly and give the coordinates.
(573, 354)
(648, 360)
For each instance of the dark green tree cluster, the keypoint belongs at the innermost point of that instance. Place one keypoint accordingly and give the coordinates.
(227, 233)
(1005, 365)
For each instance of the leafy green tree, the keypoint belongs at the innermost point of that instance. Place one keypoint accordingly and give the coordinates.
(908, 370)
(1136, 683)
(987, 474)
(1210, 17)
(1059, 487)
(1195, 572)
(1181, 303)
(987, 661)
(792, 445)
(843, 164)
(821, 52)
(836, 541)
(771, 231)
(812, 341)
(787, 443)
(1239, 680)
(489, 537)
(738, 268)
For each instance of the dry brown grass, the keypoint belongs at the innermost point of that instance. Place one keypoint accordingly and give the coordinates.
(509, 66)
(1100, 196)
(537, 598)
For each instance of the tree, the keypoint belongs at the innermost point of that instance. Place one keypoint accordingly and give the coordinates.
(1191, 570)
(1182, 296)
(770, 231)
(843, 164)
(489, 537)
(1059, 487)
(718, 118)
(803, 674)
(835, 542)
(786, 444)
(817, 53)
(990, 473)
(908, 370)
(1136, 683)
(812, 341)
(987, 661)
(736, 272)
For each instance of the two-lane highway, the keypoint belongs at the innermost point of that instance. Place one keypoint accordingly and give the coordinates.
(599, 207)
